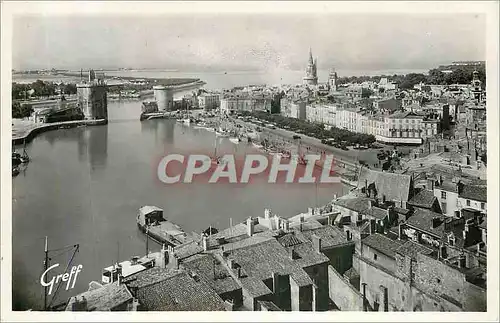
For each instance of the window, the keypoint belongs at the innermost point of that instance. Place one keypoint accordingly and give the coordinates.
(374, 256)
(443, 208)
(482, 205)
(443, 194)
(468, 202)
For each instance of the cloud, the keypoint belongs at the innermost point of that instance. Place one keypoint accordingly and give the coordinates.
(248, 41)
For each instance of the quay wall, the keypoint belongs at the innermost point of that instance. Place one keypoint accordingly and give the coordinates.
(30, 134)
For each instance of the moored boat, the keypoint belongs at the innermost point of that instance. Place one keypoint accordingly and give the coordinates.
(151, 221)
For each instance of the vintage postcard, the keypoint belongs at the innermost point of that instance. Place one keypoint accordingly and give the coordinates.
(309, 157)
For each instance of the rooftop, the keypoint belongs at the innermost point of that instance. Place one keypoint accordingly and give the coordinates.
(179, 292)
(411, 249)
(424, 198)
(382, 243)
(395, 187)
(358, 204)
(472, 192)
(377, 213)
(212, 272)
(105, 298)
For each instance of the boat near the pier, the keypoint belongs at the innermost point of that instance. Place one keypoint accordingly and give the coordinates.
(150, 220)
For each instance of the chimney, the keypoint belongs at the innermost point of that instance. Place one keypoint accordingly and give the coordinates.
(430, 184)
(230, 263)
(316, 243)
(462, 262)
(310, 211)
(349, 235)
(442, 254)
(370, 204)
(119, 274)
(364, 297)
(373, 226)
(250, 226)
(79, 305)
(163, 257)
(366, 187)
(267, 213)
(277, 221)
(286, 225)
(400, 231)
(204, 242)
(275, 282)
(440, 179)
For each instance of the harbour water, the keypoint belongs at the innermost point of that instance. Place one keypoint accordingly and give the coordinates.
(85, 185)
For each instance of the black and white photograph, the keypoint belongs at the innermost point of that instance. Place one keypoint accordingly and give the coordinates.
(176, 157)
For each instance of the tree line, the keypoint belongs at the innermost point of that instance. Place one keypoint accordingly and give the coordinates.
(458, 75)
(40, 89)
(312, 129)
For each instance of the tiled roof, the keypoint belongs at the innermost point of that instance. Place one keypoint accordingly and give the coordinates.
(179, 293)
(105, 298)
(187, 250)
(423, 198)
(401, 211)
(148, 277)
(289, 240)
(261, 260)
(381, 243)
(377, 212)
(422, 220)
(476, 193)
(411, 249)
(213, 272)
(448, 186)
(330, 236)
(358, 204)
(393, 186)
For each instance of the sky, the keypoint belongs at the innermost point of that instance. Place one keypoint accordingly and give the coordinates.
(248, 42)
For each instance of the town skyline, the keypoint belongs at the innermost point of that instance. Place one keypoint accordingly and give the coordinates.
(270, 42)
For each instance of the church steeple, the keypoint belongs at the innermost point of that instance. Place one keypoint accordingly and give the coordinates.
(311, 77)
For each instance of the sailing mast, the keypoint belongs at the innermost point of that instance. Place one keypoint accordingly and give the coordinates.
(45, 267)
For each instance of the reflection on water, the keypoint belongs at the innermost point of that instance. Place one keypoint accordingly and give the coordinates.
(85, 185)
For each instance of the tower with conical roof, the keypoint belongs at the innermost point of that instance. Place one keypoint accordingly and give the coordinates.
(311, 77)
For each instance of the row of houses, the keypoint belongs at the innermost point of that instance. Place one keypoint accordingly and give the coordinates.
(384, 120)
(409, 255)
(386, 246)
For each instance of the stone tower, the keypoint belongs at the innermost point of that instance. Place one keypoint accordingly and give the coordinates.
(164, 97)
(311, 77)
(92, 97)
